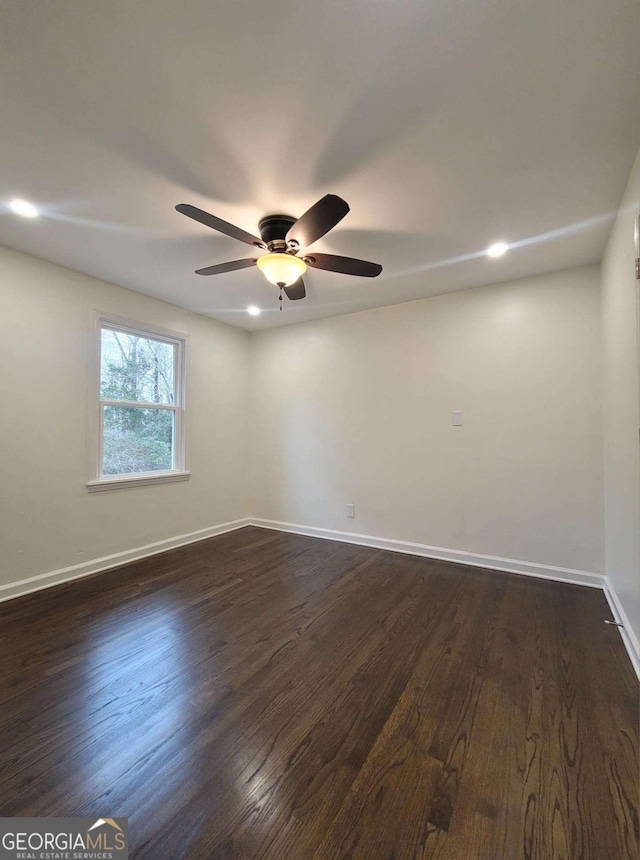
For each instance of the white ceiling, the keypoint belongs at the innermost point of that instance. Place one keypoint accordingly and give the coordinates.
(445, 125)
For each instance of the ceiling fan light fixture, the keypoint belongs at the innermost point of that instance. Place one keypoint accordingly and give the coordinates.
(283, 235)
(282, 270)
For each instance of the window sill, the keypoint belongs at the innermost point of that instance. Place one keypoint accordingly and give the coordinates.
(121, 483)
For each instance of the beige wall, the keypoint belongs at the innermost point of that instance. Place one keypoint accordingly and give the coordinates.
(354, 409)
(357, 409)
(622, 407)
(48, 520)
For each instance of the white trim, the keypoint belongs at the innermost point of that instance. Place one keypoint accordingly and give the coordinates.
(138, 480)
(97, 565)
(131, 326)
(138, 404)
(626, 631)
(526, 568)
(180, 340)
(508, 565)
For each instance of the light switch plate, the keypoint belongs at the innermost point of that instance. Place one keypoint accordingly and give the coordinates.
(456, 419)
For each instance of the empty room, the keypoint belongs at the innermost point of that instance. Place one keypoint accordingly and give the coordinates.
(319, 440)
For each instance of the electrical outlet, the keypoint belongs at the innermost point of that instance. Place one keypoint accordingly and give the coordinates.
(351, 510)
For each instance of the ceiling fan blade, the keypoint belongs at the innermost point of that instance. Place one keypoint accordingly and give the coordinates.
(322, 217)
(296, 291)
(218, 224)
(345, 265)
(227, 267)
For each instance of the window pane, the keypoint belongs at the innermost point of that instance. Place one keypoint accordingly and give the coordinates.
(136, 368)
(137, 440)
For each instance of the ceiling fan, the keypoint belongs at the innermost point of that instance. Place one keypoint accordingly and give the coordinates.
(283, 237)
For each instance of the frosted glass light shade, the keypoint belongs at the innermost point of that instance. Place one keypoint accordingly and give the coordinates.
(281, 269)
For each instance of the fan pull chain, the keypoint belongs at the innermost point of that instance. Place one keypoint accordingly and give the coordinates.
(280, 298)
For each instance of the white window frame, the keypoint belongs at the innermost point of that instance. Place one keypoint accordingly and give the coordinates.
(97, 480)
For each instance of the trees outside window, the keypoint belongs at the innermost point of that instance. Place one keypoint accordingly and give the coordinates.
(140, 402)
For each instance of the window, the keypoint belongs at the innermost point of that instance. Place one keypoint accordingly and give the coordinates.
(139, 390)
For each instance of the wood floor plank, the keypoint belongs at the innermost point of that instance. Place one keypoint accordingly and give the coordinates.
(398, 767)
(261, 696)
(469, 709)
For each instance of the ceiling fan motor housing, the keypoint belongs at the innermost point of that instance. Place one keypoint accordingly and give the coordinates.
(273, 229)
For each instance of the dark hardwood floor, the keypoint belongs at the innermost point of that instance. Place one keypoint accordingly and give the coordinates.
(263, 696)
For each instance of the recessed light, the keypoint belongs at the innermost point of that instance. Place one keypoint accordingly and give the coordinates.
(498, 249)
(24, 208)
(253, 310)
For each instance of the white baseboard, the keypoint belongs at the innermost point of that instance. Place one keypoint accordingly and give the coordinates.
(97, 565)
(628, 636)
(508, 565)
